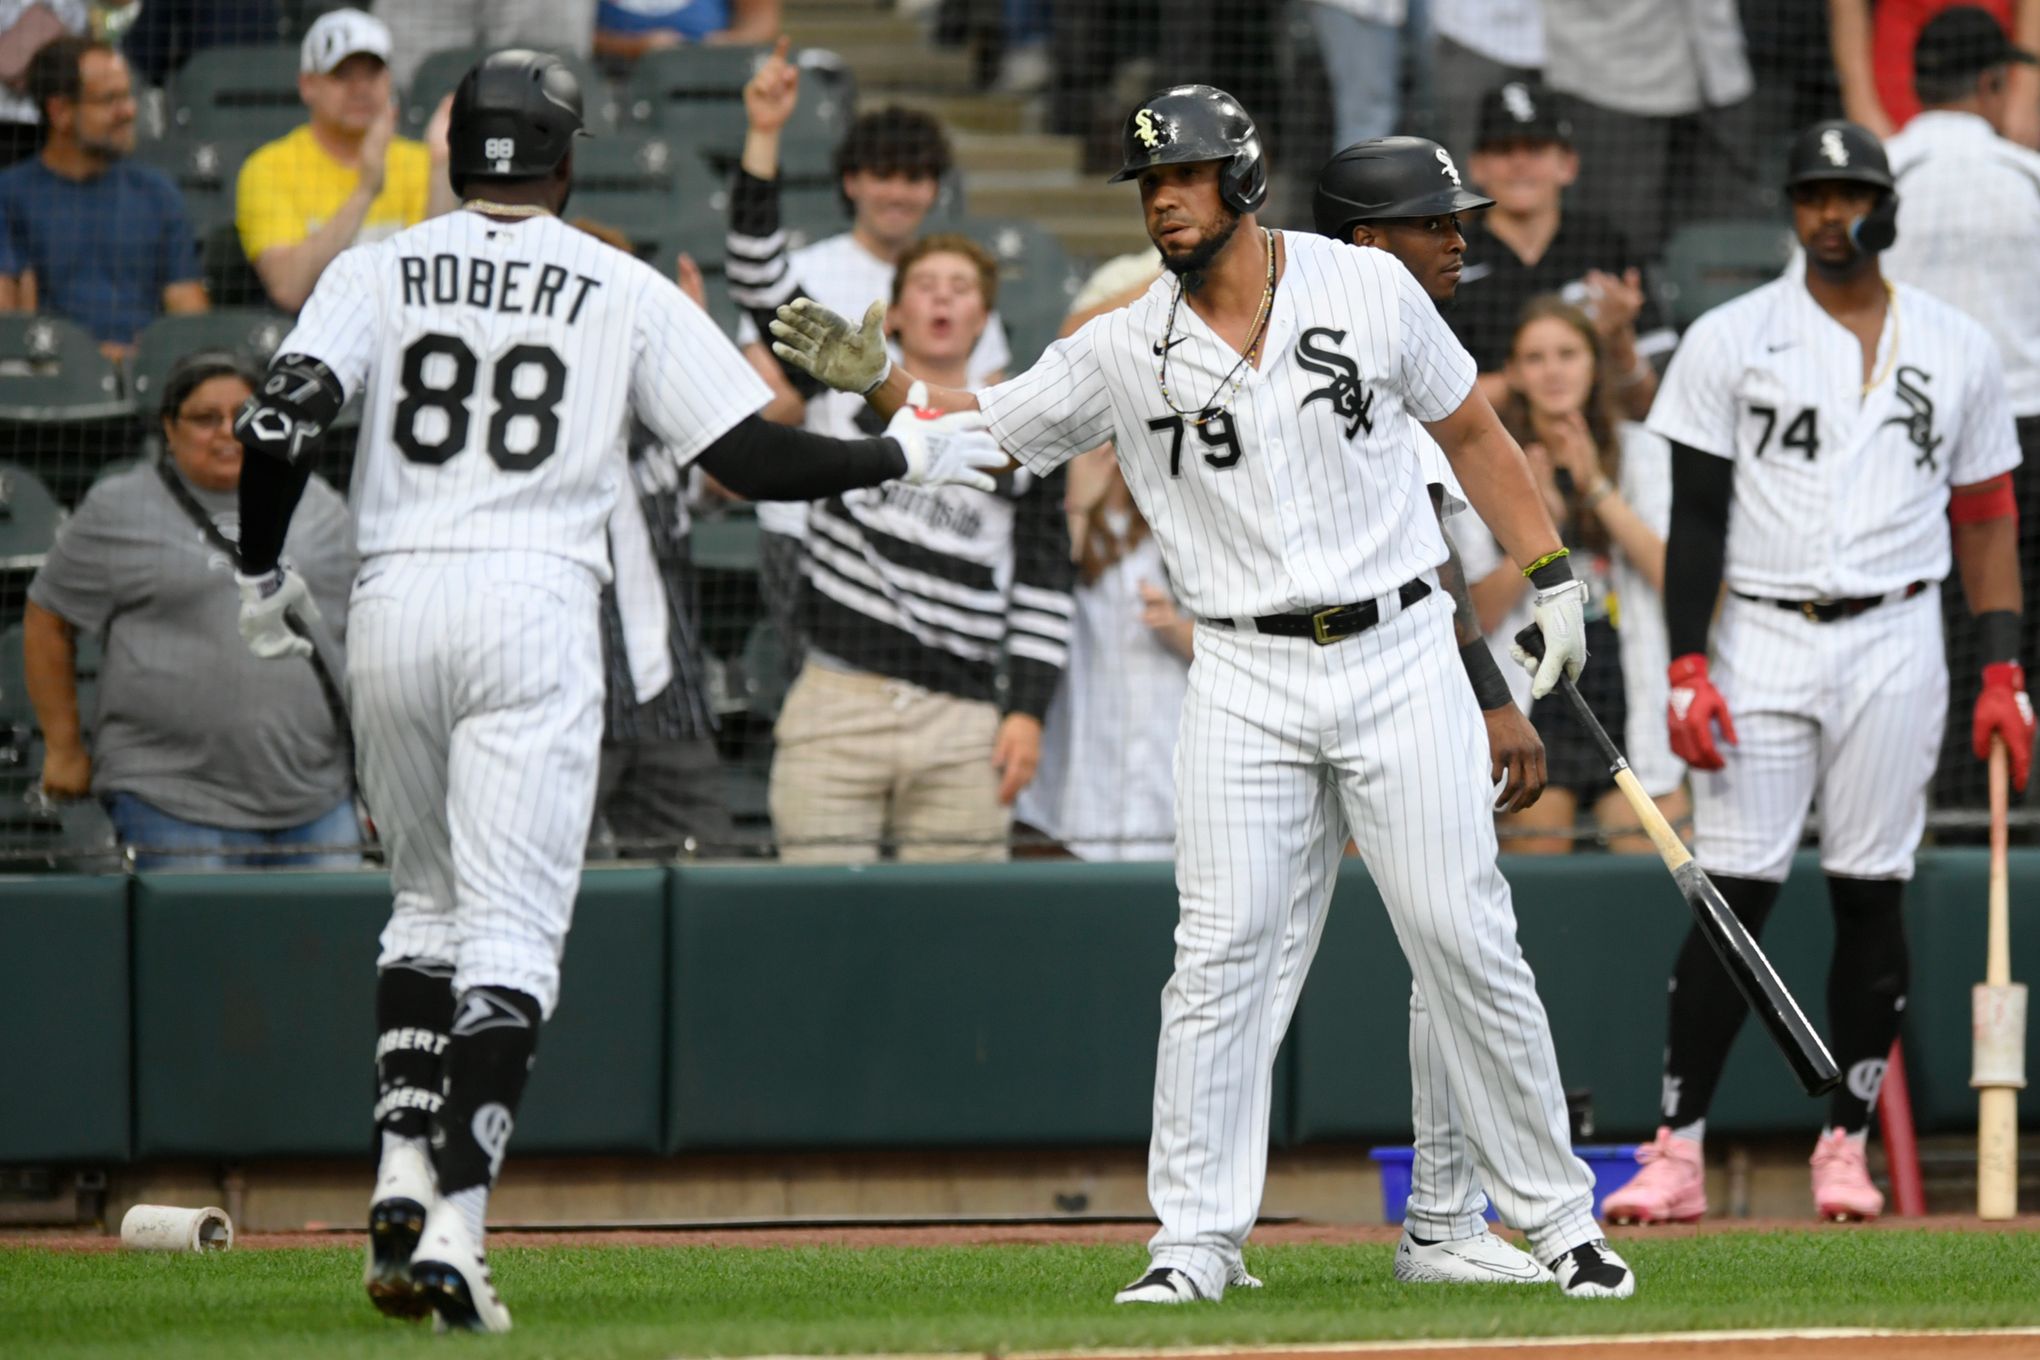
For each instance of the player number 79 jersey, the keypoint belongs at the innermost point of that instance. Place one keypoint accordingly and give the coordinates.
(1839, 491)
(1307, 491)
(499, 364)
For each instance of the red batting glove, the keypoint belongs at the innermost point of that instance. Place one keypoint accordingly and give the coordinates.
(2003, 710)
(1696, 706)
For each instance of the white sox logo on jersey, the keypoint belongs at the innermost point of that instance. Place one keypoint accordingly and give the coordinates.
(1918, 424)
(1351, 401)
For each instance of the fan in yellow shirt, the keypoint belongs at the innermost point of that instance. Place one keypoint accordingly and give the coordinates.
(342, 178)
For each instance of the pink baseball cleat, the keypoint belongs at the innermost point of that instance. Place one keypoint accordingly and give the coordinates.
(1671, 1188)
(1841, 1179)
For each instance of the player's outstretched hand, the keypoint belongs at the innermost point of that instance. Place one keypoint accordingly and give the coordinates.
(2003, 710)
(816, 340)
(944, 449)
(1558, 615)
(267, 601)
(1695, 707)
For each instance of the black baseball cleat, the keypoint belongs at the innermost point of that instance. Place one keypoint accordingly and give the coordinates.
(394, 1226)
(1162, 1284)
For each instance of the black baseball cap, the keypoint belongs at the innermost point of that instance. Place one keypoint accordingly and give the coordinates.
(1963, 40)
(1521, 111)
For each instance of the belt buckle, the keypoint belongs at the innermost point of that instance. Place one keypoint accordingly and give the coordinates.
(1320, 625)
(1811, 610)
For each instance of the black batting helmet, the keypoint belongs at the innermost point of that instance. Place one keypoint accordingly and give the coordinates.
(1188, 123)
(1835, 148)
(1387, 178)
(514, 116)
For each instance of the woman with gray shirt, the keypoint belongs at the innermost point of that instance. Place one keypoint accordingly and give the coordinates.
(200, 750)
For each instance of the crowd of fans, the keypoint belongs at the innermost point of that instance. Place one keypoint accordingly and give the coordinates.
(954, 664)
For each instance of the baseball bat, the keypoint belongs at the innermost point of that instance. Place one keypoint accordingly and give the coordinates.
(1754, 976)
(1998, 1028)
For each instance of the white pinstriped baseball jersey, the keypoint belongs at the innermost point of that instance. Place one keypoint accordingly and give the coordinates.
(1969, 232)
(501, 361)
(1838, 492)
(1250, 517)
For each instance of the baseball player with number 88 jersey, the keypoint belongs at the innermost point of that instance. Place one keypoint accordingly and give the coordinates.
(1259, 397)
(1826, 430)
(500, 354)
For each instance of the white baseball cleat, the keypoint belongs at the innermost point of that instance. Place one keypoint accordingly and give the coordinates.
(1593, 1271)
(1163, 1284)
(1485, 1259)
(1237, 1277)
(404, 1192)
(453, 1277)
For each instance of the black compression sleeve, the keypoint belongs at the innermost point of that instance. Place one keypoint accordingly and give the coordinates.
(1696, 547)
(761, 461)
(270, 489)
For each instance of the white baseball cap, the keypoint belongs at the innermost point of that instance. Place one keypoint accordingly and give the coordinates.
(340, 34)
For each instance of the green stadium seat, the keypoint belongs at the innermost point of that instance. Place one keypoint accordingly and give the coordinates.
(439, 73)
(694, 94)
(1037, 281)
(812, 212)
(250, 332)
(230, 281)
(29, 516)
(1708, 263)
(204, 168)
(248, 92)
(51, 372)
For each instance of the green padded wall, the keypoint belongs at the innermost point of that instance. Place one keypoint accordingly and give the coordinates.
(64, 1013)
(255, 1002)
(919, 1005)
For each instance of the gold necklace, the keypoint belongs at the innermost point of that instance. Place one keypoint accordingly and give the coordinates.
(1891, 301)
(1238, 375)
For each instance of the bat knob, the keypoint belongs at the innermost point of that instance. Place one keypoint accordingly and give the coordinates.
(1531, 640)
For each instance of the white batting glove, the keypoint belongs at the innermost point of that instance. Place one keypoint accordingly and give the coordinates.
(266, 604)
(952, 448)
(815, 340)
(1558, 618)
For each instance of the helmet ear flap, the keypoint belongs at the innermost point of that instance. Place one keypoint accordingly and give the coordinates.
(1245, 185)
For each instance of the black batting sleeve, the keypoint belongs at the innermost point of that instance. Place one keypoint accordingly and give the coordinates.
(1697, 546)
(270, 490)
(757, 267)
(1042, 610)
(761, 461)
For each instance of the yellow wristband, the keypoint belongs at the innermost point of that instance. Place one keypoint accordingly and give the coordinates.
(1546, 560)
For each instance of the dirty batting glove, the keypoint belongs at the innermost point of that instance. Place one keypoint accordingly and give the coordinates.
(817, 341)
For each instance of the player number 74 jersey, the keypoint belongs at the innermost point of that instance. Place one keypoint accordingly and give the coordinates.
(1840, 491)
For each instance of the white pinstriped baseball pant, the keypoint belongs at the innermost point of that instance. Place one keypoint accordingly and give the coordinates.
(476, 686)
(1284, 747)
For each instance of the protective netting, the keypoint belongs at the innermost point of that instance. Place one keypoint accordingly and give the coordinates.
(950, 676)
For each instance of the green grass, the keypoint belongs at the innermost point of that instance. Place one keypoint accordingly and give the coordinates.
(653, 1302)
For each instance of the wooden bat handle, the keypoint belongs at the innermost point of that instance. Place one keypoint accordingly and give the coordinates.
(1997, 970)
(1669, 847)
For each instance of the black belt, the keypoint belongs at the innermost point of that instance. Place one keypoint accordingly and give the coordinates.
(1333, 623)
(1827, 611)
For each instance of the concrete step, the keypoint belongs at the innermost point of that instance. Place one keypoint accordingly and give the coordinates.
(1072, 197)
(908, 66)
(984, 155)
(1001, 113)
(837, 29)
(1095, 237)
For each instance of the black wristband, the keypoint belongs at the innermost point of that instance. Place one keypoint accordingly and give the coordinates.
(1555, 573)
(1490, 688)
(1997, 635)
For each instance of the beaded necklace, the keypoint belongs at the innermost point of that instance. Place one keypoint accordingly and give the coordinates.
(1238, 375)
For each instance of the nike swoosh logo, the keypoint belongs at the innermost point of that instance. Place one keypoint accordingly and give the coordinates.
(1782, 344)
(1163, 347)
(1507, 1273)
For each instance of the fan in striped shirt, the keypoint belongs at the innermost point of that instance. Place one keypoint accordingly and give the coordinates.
(938, 626)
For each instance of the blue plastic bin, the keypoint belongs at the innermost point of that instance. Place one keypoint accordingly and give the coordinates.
(1613, 1165)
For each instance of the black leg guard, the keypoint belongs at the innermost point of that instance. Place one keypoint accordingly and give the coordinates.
(494, 1038)
(413, 1008)
(1866, 990)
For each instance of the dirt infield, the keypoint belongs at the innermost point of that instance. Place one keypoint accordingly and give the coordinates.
(988, 1234)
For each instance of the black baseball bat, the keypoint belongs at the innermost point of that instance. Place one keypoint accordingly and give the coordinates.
(1754, 976)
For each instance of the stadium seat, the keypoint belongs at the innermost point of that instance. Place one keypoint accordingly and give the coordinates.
(439, 73)
(51, 372)
(1708, 263)
(246, 92)
(1037, 281)
(230, 281)
(252, 333)
(204, 168)
(29, 516)
(694, 94)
